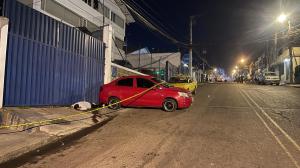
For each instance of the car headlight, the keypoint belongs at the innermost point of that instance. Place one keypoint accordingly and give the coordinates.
(182, 94)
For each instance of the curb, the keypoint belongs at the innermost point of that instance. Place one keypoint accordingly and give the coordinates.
(21, 156)
(294, 86)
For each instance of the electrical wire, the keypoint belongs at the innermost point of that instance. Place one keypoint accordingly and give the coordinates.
(154, 27)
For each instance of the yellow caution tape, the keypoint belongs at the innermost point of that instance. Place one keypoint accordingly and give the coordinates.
(48, 121)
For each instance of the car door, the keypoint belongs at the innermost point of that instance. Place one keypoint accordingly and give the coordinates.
(124, 89)
(152, 97)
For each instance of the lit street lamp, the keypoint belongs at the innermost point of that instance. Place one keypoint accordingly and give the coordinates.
(242, 60)
(283, 19)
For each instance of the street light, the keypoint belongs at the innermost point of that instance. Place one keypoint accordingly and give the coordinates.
(282, 18)
(242, 60)
(236, 67)
(215, 70)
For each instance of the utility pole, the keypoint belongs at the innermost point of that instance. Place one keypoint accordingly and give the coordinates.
(290, 53)
(191, 47)
(103, 17)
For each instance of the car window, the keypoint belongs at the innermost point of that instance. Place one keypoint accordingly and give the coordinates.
(161, 82)
(125, 82)
(178, 80)
(144, 83)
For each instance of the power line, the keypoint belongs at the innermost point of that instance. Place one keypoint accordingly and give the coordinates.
(154, 27)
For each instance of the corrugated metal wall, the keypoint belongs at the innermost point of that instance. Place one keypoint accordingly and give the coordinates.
(48, 62)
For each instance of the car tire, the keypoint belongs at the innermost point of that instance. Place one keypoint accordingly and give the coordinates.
(169, 105)
(112, 103)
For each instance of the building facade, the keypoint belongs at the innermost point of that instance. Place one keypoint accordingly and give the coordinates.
(89, 16)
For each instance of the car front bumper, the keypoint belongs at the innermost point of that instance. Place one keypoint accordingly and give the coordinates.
(272, 81)
(185, 102)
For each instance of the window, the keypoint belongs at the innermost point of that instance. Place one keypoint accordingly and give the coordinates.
(106, 10)
(1, 7)
(178, 80)
(91, 26)
(89, 2)
(144, 83)
(117, 19)
(96, 4)
(125, 82)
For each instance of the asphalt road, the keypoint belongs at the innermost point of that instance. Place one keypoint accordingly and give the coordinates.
(228, 125)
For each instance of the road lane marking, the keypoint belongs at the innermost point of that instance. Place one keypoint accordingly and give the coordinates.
(272, 133)
(229, 107)
(273, 122)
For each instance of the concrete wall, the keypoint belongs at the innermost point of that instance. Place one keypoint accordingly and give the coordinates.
(107, 39)
(3, 46)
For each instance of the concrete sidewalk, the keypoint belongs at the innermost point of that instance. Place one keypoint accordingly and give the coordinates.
(17, 141)
(292, 85)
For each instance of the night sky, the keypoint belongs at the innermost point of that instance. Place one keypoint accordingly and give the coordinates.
(226, 29)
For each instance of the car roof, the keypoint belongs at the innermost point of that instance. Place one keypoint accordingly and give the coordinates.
(137, 76)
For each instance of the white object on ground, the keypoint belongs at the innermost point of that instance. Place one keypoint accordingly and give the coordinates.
(82, 105)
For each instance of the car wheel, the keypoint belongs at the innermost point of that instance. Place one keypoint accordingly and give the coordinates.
(113, 103)
(170, 105)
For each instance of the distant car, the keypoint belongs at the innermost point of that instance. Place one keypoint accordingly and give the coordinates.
(154, 94)
(184, 82)
(269, 78)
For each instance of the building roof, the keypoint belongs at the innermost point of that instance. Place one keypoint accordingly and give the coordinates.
(158, 59)
(141, 51)
(122, 6)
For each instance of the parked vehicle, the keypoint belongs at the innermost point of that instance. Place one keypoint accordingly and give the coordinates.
(297, 74)
(268, 78)
(184, 82)
(150, 93)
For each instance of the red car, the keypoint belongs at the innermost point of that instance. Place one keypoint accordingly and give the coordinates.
(149, 91)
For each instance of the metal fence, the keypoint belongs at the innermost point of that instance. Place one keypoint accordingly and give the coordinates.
(49, 62)
(171, 70)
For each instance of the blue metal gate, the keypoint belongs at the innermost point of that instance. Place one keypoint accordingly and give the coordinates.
(49, 62)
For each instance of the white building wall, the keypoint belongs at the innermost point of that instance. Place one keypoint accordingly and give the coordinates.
(3, 45)
(90, 14)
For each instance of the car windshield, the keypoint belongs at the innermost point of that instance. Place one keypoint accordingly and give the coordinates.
(178, 80)
(270, 74)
